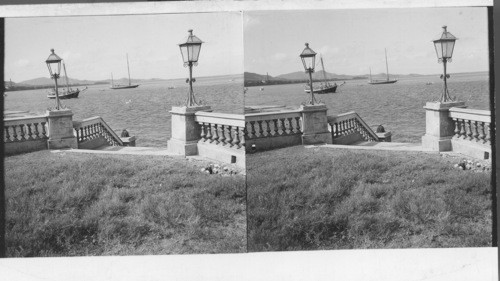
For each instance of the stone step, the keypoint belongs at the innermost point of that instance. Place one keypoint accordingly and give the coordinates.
(129, 150)
(393, 146)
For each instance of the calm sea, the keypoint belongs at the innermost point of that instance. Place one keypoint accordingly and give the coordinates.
(144, 111)
(398, 107)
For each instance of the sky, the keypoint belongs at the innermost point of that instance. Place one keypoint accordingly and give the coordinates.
(352, 41)
(94, 47)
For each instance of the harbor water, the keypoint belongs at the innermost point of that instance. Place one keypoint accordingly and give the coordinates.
(398, 107)
(144, 111)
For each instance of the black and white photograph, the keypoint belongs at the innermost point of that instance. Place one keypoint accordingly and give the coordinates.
(105, 155)
(368, 129)
(249, 140)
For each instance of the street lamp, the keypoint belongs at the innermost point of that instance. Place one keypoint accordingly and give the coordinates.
(308, 57)
(190, 51)
(54, 64)
(444, 51)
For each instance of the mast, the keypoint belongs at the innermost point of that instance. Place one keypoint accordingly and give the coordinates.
(128, 68)
(66, 76)
(370, 74)
(323, 67)
(386, 65)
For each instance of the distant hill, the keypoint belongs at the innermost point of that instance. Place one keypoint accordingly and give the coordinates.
(318, 75)
(43, 81)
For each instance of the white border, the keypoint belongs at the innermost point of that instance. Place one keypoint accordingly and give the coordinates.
(128, 8)
(388, 265)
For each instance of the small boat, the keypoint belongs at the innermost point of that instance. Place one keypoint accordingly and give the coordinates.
(117, 86)
(65, 93)
(171, 87)
(387, 81)
(325, 87)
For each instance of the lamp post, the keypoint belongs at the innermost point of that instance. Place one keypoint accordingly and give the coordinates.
(190, 51)
(54, 64)
(444, 51)
(308, 57)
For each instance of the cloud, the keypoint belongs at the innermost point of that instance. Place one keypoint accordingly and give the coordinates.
(70, 56)
(22, 63)
(327, 50)
(279, 56)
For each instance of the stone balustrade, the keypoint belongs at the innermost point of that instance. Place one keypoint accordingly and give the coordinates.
(471, 132)
(273, 124)
(269, 130)
(25, 129)
(349, 128)
(221, 136)
(94, 132)
(472, 125)
(221, 129)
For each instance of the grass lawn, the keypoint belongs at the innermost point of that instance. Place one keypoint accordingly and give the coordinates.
(65, 204)
(318, 198)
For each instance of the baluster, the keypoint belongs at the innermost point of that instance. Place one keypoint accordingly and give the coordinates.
(22, 133)
(487, 133)
(203, 134)
(222, 138)
(216, 134)
(44, 133)
(36, 134)
(80, 134)
(276, 128)
(290, 125)
(469, 131)
(268, 128)
(236, 140)
(482, 135)
(342, 127)
(209, 132)
(7, 135)
(462, 128)
(242, 142)
(252, 125)
(260, 128)
(475, 133)
(283, 130)
(14, 133)
(229, 139)
(336, 129)
(297, 122)
(29, 132)
(457, 131)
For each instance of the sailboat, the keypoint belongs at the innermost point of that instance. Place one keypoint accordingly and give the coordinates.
(387, 81)
(65, 93)
(325, 87)
(117, 86)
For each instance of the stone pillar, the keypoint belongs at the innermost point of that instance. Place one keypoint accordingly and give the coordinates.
(60, 129)
(315, 124)
(439, 127)
(185, 130)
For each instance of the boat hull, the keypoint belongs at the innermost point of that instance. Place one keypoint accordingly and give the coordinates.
(325, 90)
(65, 95)
(124, 87)
(382, 82)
